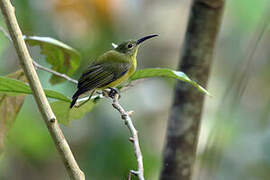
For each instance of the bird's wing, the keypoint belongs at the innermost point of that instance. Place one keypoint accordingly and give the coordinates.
(100, 75)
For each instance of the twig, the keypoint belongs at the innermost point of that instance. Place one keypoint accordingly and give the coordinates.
(5, 33)
(54, 72)
(134, 137)
(38, 66)
(42, 102)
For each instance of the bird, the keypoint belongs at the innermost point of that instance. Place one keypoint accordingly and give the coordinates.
(110, 69)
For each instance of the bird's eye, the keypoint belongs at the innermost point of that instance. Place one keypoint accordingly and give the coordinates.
(130, 46)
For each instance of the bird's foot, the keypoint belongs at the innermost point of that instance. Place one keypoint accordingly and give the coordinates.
(113, 92)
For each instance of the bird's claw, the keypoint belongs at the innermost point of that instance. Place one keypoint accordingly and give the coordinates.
(113, 92)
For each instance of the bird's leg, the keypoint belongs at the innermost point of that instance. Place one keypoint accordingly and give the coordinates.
(79, 105)
(113, 92)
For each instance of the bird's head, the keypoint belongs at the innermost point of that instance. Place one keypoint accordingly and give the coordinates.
(131, 47)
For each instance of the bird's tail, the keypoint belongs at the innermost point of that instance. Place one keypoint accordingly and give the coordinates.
(76, 96)
(74, 99)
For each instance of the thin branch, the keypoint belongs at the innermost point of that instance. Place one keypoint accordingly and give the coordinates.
(5, 33)
(54, 72)
(134, 137)
(69, 161)
(38, 66)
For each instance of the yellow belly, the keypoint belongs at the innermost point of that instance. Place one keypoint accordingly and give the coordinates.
(121, 79)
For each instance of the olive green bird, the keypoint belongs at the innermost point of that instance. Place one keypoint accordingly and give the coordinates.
(110, 69)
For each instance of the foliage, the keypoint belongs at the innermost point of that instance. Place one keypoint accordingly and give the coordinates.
(168, 73)
(61, 57)
(65, 59)
(15, 87)
(64, 114)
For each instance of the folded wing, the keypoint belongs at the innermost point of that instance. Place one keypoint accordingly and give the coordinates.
(98, 76)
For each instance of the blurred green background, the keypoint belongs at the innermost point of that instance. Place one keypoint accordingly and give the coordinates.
(234, 141)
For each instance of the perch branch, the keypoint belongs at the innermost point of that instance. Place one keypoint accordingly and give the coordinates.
(38, 66)
(69, 161)
(134, 137)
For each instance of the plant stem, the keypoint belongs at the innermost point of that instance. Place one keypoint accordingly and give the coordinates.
(69, 161)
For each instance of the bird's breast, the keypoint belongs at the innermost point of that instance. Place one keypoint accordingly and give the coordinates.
(123, 78)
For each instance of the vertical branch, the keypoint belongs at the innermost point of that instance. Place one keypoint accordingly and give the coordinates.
(185, 117)
(41, 100)
(134, 138)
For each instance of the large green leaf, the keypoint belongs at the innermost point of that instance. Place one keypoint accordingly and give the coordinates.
(8, 85)
(168, 73)
(63, 58)
(64, 114)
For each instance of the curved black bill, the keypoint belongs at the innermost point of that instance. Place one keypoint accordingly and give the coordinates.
(145, 38)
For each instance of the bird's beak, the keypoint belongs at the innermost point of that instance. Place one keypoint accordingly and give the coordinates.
(145, 38)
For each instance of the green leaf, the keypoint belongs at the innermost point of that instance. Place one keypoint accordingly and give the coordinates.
(63, 58)
(8, 85)
(168, 73)
(64, 114)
